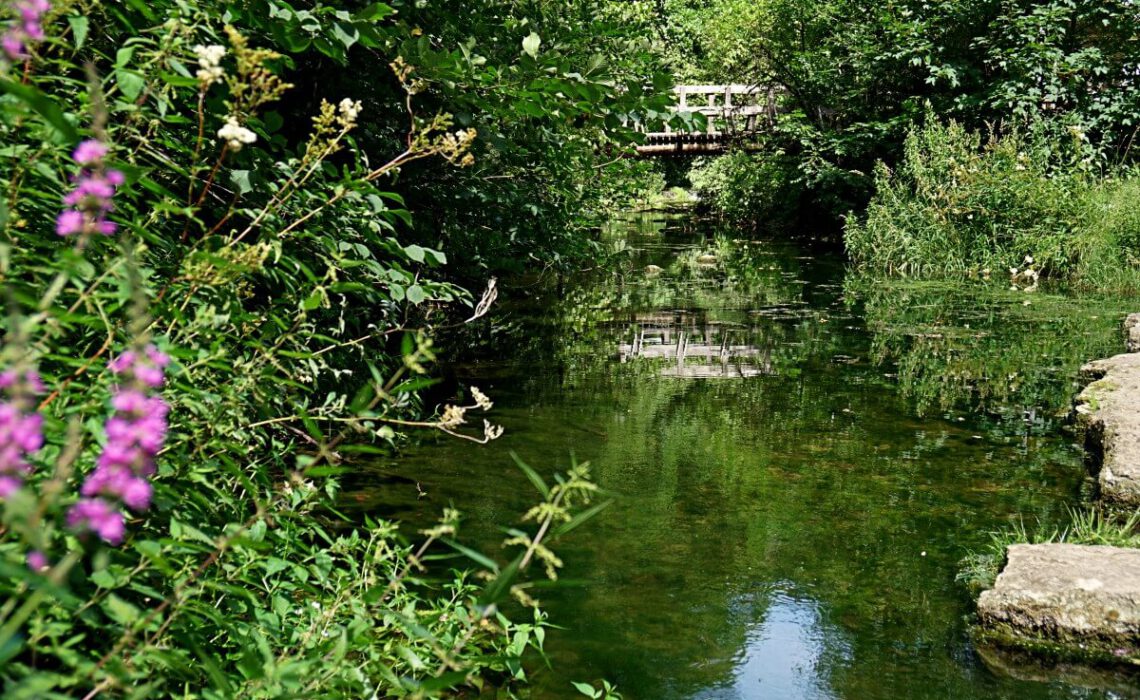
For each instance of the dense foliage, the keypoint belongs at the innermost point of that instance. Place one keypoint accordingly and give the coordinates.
(860, 74)
(217, 302)
(1019, 206)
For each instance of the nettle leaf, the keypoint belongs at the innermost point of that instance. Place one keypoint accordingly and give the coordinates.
(120, 610)
(130, 83)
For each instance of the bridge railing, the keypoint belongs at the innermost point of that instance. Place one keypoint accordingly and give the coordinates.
(728, 109)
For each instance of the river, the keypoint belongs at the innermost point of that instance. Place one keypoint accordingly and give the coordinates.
(794, 498)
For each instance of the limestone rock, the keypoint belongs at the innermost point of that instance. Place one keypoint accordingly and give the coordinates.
(1108, 410)
(1082, 597)
(1132, 332)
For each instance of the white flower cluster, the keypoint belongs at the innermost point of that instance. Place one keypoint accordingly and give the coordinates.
(209, 64)
(481, 399)
(349, 111)
(235, 134)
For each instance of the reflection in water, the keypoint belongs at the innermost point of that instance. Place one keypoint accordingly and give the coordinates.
(793, 530)
(783, 656)
(699, 349)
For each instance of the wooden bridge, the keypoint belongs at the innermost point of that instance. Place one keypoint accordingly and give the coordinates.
(732, 113)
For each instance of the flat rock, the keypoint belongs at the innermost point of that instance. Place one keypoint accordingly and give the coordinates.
(1132, 332)
(1108, 410)
(1082, 597)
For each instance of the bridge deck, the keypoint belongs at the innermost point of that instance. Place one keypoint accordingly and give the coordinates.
(732, 113)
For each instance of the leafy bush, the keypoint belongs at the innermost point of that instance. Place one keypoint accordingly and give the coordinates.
(749, 187)
(211, 315)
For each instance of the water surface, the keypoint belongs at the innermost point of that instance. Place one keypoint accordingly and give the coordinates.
(798, 461)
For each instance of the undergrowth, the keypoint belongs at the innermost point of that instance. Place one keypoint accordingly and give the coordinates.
(963, 203)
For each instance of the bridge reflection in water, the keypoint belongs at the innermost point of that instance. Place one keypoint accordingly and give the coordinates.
(699, 349)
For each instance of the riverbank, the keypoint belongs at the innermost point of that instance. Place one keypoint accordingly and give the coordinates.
(1064, 601)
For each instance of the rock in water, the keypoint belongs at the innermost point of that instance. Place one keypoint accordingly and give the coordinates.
(1108, 410)
(1083, 599)
(1132, 331)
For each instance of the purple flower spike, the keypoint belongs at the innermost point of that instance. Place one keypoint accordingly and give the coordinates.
(21, 428)
(100, 517)
(90, 152)
(135, 435)
(9, 485)
(26, 30)
(92, 199)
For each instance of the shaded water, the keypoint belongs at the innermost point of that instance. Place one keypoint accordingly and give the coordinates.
(793, 498)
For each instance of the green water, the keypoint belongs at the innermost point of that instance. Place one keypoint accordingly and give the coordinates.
(788, 520)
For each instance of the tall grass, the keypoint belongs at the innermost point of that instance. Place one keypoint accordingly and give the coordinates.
(1091, 526)
(961, 203)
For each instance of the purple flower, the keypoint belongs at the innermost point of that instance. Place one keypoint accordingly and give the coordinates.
(148, 368)
(38, 561)
(90, 152)
(93, 197)
(135, 435)
(69, 222)
(13, 45)
(9, 485)
(21, 428)
(100, 517)
(27, 29)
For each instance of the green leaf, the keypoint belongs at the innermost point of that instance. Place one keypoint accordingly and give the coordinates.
(581, 518)
(532, 475)
(531, 44)
(79, 26)
(415, 294)
(585, 689)
(240, 178)
(498, 588)
(103, 579)
(312, 301)
(123, 56)
(130, 83)
(477, 557)
(345, 37)
(120, 610)
(446, 681)
(43, 106)
(374, 12)
(415, 252)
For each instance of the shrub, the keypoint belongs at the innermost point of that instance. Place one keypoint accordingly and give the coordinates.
(1110, 240)
(749, 188)
(208, 321)
(959, 203)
